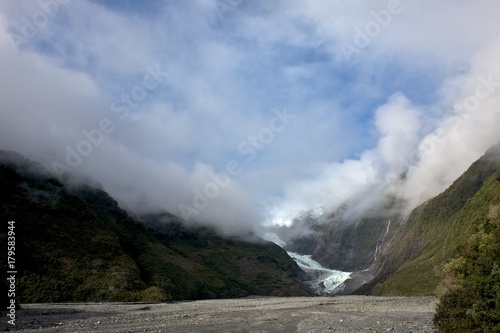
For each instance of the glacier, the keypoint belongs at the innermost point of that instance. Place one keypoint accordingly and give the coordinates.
(323, 280)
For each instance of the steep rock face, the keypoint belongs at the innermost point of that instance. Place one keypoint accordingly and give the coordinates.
(77, 244)
(435, 231)
(346, 244)
(351, 246)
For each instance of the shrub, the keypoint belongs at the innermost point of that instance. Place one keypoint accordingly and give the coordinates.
(154, 294)
(471, 302)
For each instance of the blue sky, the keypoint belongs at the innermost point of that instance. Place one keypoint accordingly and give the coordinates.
(224, 68)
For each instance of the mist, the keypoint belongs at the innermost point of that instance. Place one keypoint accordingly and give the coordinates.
(253, 115)
(421, 148)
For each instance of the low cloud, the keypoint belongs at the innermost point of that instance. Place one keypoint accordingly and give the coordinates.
(408, 162)
(405, 117)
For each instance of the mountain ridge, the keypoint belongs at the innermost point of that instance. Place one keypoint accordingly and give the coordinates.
(433, 233)
(74, 243)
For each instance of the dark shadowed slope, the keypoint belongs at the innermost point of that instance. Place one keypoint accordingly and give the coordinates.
(77, 244)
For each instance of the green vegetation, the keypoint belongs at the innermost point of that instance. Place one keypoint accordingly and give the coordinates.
(436, 231)
(77, 244)
(470, 283)
(346, 243)
(450, 247)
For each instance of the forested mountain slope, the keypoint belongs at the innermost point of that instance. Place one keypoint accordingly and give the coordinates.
(437, 231)
(74, 243)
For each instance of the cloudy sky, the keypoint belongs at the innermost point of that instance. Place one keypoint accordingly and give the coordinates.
(239, 112)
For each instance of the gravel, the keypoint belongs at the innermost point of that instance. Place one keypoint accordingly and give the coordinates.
(251, 314)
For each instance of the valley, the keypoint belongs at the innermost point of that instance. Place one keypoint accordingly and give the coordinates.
(189, 277)
(250, 166)
(346, 314)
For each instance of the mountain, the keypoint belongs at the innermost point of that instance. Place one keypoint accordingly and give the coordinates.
(75, 243)
(437, 231)
(470, 283)
(393, 254)
(342, 242)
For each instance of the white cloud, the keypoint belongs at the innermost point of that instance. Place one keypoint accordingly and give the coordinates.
(359, 124)
(399, 125)
(45, 107)
(463, 135)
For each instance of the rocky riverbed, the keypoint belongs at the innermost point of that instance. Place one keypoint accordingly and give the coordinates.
(252, 314)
